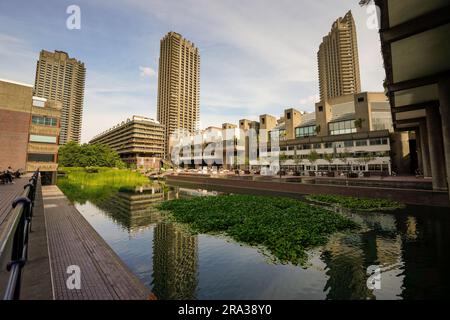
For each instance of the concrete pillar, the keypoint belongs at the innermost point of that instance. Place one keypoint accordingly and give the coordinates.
(425, 149)
(436, 147)
(419, 150)
(444, 108)
(401, 153)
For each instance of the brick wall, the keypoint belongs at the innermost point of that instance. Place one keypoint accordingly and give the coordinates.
(14, 126)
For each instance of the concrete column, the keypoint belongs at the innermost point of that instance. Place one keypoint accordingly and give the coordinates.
(444, 108)
(401, 152)
(436, 148)
(425, 149)
(419, 150)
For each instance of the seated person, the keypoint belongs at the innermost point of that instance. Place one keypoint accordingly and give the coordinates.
(7, 177)
(17, 173)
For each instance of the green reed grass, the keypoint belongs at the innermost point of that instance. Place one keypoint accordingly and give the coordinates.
(82, 184)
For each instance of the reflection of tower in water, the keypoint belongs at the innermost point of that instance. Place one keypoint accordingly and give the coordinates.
(134, 209)
(175, 255)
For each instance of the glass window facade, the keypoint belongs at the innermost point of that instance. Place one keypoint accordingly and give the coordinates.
(361, 143)
(42, 139)
(342, 127)
(305, 131)
(348, 143)
(317, 145)
(44, 121)
(38, 103)
(379, 141)
(382, 121)
(37, 157)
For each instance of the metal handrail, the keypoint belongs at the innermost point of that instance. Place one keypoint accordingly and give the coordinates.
(17, 235)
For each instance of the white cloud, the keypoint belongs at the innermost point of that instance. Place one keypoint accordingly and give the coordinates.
(146, 72)
(110, 100)
(257, 56)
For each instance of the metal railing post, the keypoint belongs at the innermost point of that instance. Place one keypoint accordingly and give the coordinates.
(21, 232)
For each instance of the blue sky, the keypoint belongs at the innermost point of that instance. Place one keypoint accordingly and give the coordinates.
(257, 56)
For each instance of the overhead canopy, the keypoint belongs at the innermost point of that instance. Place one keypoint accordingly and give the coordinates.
(412, 31)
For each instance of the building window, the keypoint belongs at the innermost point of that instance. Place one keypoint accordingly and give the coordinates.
(361, 99)
(304, 147)
(320, 108)
(262, 120)
(302, 132)
(317, 145)
(328, 145)
(38, 103)
(288, 115)
(339, 144)
(374, 167)
(378, 141)
(361, 143)
(44, 121)
(348, 143)
(342, 127)
(37, 157)
(42, 139)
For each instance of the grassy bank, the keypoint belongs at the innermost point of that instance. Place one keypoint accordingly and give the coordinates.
(354, 203)
(286, 227)
(82, 184)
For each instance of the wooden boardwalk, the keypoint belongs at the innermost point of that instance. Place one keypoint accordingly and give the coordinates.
(73, 241)
(8, 192)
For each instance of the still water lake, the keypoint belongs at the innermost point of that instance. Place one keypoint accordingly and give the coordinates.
(411, 247)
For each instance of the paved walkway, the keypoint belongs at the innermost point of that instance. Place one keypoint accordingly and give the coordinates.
(408, 196)
(72, 241)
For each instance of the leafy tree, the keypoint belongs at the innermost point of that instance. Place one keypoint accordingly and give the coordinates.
(365, 159)
(283, 156)
(88, 155)
(313, 156)
(359, 122)
(318, 129)
(343, 156)
(328, 157)
(297, 157)
(68, 154)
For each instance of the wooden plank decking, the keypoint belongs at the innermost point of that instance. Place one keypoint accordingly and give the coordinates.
(73, 241)
(8, 192)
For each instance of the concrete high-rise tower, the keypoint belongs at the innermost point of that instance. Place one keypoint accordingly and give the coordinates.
(178, 86)
(338, 60)
(61, 78)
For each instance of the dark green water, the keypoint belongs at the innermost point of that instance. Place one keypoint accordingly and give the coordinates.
(410, 246)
